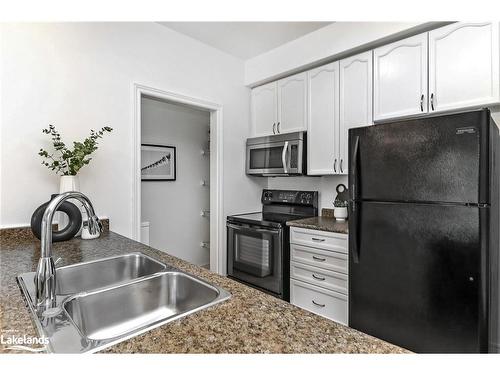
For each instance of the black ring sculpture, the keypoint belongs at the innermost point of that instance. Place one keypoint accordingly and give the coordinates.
(68, 232)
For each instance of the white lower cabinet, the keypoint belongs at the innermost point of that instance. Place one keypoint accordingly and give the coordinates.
(326, 259)
(321, 301)
(319, 276)
(327, 279)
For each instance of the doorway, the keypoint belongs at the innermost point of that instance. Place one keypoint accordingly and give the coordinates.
(184, 214)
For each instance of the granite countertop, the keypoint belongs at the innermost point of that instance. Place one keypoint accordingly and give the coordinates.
(249, 322)
(326, 222)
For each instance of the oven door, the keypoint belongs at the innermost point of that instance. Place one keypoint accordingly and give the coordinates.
(255, 255)
(274, 158)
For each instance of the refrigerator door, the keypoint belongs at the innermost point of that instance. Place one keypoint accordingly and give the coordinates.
(415, 275)
(437, 159)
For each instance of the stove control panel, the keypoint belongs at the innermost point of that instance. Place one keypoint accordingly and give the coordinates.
(294, 197)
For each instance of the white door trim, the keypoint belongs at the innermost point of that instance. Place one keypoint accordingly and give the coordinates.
(216, 166)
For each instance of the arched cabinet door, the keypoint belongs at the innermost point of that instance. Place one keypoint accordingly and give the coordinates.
(292, 104)
(264, 114)
(400, 78)
(356, 75)
(463, 66)
(323, 120)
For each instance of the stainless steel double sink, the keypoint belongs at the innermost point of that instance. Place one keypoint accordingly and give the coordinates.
(103, 302)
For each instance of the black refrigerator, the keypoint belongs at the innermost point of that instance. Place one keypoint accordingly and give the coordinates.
(424, 232)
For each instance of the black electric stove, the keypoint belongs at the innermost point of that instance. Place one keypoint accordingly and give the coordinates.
(258, 247)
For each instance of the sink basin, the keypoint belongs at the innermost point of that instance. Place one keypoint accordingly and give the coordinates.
(102, 273)
(123, 309)
(103, 302)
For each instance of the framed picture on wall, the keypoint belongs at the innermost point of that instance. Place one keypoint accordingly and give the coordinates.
(158, 163)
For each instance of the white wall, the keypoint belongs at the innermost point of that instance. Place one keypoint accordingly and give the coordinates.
(79, 76)
(172, 208)
(329, 43)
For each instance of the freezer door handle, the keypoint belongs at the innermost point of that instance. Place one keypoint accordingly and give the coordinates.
(354, 169)
(354, 246)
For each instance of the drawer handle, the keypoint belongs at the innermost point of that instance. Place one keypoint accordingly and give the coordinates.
(318, 278)
(318, 239)
(318, 304)
(319, 259)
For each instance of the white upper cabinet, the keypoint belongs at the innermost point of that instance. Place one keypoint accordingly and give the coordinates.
(356, 75)
(463, 66)
(323, 120)
(400, 78)
(280, 107)
(264, 109)
(292, 104)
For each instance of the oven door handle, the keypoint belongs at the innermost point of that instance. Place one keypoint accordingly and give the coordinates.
(283, 157)
(259, 230)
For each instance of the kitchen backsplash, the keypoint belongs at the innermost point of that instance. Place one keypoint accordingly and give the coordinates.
(325, 185)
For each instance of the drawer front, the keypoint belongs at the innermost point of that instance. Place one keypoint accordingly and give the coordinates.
(331, 280)
(320, 239)
(320, 301)
(330, 260)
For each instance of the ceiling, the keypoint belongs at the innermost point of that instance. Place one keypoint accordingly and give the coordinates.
(245, 39)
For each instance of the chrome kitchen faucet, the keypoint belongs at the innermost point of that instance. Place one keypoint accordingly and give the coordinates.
(45, 276)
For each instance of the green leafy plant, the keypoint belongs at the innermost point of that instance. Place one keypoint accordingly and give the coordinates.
(69, 162)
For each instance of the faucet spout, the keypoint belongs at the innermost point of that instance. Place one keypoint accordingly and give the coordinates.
(45, 277)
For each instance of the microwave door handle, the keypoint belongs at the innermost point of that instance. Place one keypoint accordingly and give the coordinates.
(283, 157)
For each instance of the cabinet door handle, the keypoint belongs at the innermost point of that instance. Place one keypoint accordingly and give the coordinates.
(432, 101)
(318, 239)
(341, 169)
(318, 278)
(335, 165)
(278, 128)
(422, 103)
(319, 259)
(274, 128)
(318, 304)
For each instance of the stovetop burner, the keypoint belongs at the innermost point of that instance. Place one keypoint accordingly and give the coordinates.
(266, 218)
(280, 206)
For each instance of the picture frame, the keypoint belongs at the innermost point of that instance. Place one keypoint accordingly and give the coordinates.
(158, 163)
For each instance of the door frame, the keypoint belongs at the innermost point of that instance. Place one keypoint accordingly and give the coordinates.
(216, 165)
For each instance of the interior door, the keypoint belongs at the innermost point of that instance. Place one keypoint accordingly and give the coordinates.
(400, 78)
(292, 104)
(464, 66)
(323, 120)
(356, 75)
(264, 109)
(415, 276)
(439, 159)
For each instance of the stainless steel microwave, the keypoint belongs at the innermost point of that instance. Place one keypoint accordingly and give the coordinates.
(277, 155)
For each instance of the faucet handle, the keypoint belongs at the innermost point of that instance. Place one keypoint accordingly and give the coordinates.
(57, 261)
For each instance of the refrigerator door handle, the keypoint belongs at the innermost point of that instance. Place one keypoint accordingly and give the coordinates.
(354, 246)
(353, 238)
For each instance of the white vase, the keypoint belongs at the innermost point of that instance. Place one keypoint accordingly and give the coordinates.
(340, 213)
(70, 183)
